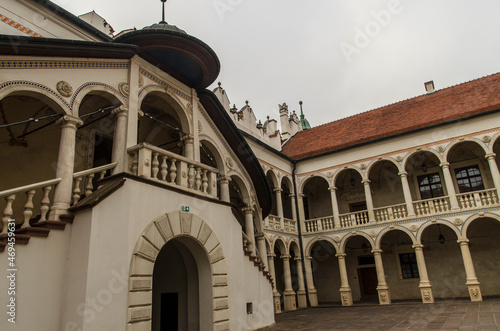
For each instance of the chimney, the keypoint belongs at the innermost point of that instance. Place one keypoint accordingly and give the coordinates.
(429, 87)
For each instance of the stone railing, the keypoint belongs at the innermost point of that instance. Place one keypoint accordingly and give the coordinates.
(85, 178)
(432, 206)
(353, 219)
(152, 162)
(290, 225)
(319, 224)
(273, 222)
(34, 199)
(390, 213)
(477, 199)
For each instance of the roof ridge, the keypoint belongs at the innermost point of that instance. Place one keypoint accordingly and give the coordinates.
(403, 100)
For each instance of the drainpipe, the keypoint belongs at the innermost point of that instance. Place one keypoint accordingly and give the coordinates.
(300, 234)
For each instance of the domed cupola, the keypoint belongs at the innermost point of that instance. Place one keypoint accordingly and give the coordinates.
(179, 54)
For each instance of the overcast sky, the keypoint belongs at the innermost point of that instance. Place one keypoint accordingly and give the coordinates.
(340, 57)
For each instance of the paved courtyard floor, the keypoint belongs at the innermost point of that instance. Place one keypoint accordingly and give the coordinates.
(442, 315)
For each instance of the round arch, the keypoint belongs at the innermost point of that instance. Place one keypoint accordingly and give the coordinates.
(346, 238)
(339, 172)
(208, 143)
(37, 91)
(100, 89)
(304, 182)
(434, 222)
(493, 142)
(370, 167)
(475, 217)
(453, 145)
(311, 244)
(416, 153)
(386, 230)
(209, 257)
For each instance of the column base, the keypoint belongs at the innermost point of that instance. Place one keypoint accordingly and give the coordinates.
(474, 292)
(384, 297)
(290, 301)
(57, 210)
(426, 293)
(313, 297)
(301, 299)
(277, 302)
(346, 296)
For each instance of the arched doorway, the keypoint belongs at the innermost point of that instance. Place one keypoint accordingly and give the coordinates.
(178, 262)
(325, 270)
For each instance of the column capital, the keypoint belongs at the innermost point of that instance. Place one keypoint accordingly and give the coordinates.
(70, 120)
(247, 210)
(285, 257)
(120, 111)
(403, 174)
(490, 156)
(271, 255)
(224, 179)
(301, 195)
(332, 188)
(260, 235)
(366, 181)
(418, 246)
(277, 189)
(298, 259)
(445, 165)
(463, 242)
(341, 255)
(308, 258)
(291, 195)
(189, 138)
(377, 251)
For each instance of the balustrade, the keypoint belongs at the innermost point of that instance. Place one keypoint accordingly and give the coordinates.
(477, 199)
(353, 219)
(37, 201)
(390, 213)
(432, 206)
(153, 162)
(85, 179)
(319, 224)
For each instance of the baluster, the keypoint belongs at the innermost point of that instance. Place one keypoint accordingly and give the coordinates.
(198, 179)
(135, 163)
(89, 188)
(173, 171)
(155, 165)
(44, 203)
(204, 179)
(163, 167)
(28, 208)
(102, 174)
(76, 190)
(7, 212)
(191, 176)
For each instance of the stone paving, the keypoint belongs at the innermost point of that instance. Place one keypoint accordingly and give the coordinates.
(442, 315)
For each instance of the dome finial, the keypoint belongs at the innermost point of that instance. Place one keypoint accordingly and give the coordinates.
(163, 12)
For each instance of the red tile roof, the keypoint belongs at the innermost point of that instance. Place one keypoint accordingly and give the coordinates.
(444, 105)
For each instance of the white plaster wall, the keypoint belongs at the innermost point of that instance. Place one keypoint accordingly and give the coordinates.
(117, 223)
(41, 270)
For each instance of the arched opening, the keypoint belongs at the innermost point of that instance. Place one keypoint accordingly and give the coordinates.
(400, 265)
(164, 123)
(239, 198)
(286, 190)
(387, 191)
(279, 252)
(444, 261)
(360, 264)
(496, 150)
(317, 199)
(211, 157)
(469, 169)
(182, 287)
(325, 268)
(425, 176)
(272, 181)
(29, 149)
(351, 198)
(484, 236)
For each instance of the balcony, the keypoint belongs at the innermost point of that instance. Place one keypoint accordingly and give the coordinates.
(274, 223)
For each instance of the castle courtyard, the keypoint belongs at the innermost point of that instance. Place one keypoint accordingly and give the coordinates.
(443, 315)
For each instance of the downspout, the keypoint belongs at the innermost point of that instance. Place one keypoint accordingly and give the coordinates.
(300, 233)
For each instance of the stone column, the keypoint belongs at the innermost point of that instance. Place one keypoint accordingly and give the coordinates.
(188, 146)
(224, 188)
(452, 195)
(261, 245)
(345, 289)
(276, 295)
(490, 157)
(407, 193)
(472, 282)
(64, 166)
(425, 285)
(369, 201)
(294, 211)
(288, 293)
(301, 292)
(384, 296)
(313, 294)
(302, 216)
(120, 139)
(335, 206)
(249, 228)
(279, 206)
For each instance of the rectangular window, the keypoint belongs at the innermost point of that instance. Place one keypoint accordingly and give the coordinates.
(430, 186)
(409, 267)
(469, 179)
